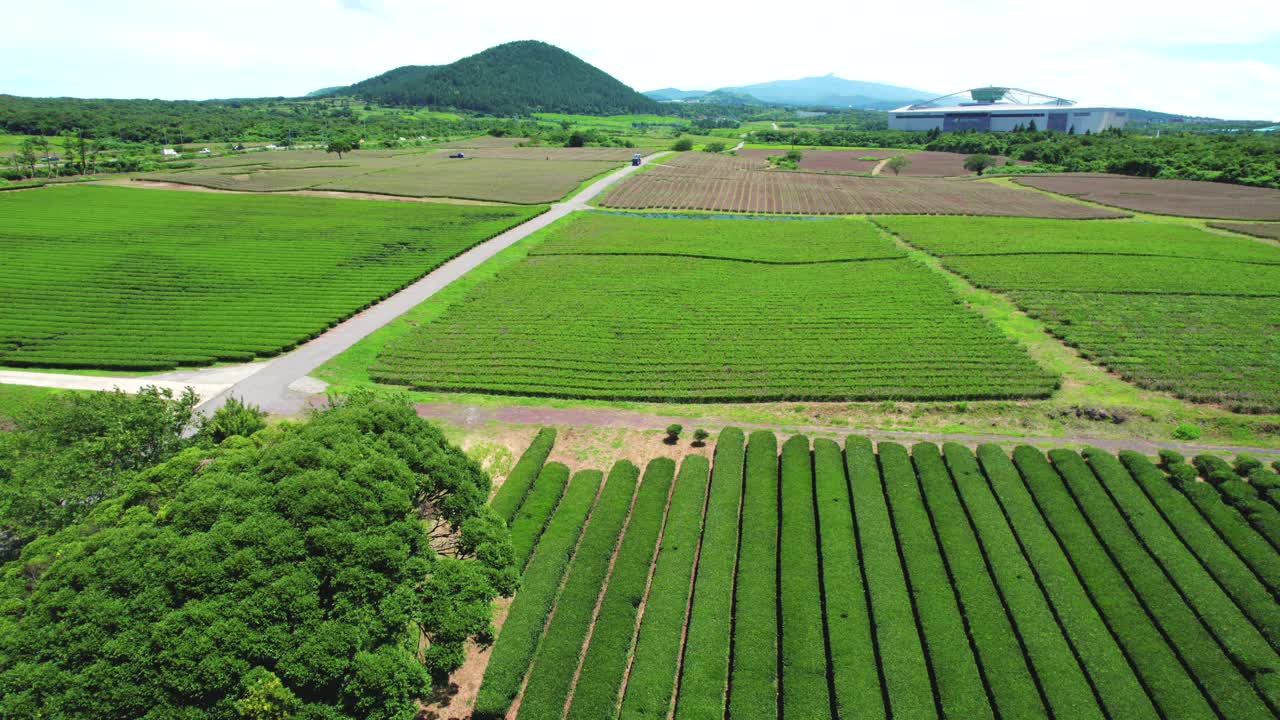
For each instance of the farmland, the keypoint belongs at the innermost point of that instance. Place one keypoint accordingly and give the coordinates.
(495, 171)
(703, 181)
(814, 580)
(923, 163)
(1167, 307)
(1166, 197)
(100, 277)
(615, 306)
(1263, 230)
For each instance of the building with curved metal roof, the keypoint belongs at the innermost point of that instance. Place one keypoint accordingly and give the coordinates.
(1001, 109)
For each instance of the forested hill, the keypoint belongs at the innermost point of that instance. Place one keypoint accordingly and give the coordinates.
(513, 78)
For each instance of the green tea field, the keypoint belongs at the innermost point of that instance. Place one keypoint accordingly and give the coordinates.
(1167, 307)
(105, 277)
(811, 580)
(618, 306)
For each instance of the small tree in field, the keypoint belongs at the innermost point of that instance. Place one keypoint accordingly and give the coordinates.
(700, 437)
(673, 433)
(897, 163)
(684, 144)
(340, 146)
(979, 163)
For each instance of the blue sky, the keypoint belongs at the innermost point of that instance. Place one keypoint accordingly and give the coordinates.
(1222, 62)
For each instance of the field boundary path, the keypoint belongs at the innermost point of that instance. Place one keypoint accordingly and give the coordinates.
(471, 415)
(269, 388)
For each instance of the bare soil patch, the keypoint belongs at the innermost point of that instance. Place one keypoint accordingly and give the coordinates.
(1187, 198)
(1270, 231)
(928, 163)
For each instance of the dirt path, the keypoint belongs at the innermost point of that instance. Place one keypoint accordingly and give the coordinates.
(880, 166)
(475, 415)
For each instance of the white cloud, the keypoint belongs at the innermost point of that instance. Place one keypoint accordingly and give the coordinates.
(1093, 50)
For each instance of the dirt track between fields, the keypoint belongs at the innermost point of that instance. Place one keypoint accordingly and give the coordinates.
(474, 415)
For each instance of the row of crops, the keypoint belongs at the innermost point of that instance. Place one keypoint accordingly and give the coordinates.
(1168, 307)
(610, 306)
(814, 580)
(103, 277)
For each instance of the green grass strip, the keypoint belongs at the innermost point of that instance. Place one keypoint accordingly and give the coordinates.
(753, 688)
(704, 674)
(652, 680)
(1048, 639)
(1178, 592)
(1060, 528)
(1013, 689)
(595, 695)
(902, 658)
(527, 617)
(556, 662)
(531, 518)
(805, 693)
(955, 670)
(849, 632)
(1226, 567)
(511, 494)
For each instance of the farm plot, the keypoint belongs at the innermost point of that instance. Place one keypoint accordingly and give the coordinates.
(815, 309)
(833, 161)
(1188, 198)
(514, 175)
(702, 181)
(1270, 231)
(930, 163)
(1166, 307)
(103, 277)
(889, 581)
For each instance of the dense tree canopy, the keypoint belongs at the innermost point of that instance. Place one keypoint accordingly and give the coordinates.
(324, 569)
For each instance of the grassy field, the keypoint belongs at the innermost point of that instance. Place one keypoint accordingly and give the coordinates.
(703, 181)
(513, 175)
(909, 582)
(613, 306)
(1167, 307)
(137, 279)
(15, 399)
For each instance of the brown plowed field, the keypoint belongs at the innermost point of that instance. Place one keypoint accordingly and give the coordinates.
(702, 181)
(837, 161)
(1262, 230)
(1165, 197)
(606, 154)
(928, 163)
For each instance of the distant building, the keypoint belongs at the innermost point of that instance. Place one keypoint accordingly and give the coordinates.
(204, 151)
(169, 152)
(1271, 129)
(999, 109)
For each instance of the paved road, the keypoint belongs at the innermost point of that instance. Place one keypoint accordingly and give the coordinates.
(269, 387)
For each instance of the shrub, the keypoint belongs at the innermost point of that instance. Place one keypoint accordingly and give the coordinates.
(232, 419)
(1246, 464)
(684, 144)
(700, 437)
(1169, 458)
(979, 163)
(1186, 431)
(715, 147)
(673, 433)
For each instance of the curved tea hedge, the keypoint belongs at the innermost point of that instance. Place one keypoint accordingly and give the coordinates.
(132, 279)
(795, 580)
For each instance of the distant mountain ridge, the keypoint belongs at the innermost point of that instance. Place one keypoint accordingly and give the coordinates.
(819, 91)
(514, 78)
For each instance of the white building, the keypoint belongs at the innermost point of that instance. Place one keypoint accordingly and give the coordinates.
(999, 109)
(169, 152)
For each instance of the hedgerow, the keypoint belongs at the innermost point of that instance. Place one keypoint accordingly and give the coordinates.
(518, 639)
(1224, 565)
(1109, 584)
(1005, 668)
(1036, 580)
(514, 489)
(904, 667)
(753, 688)
(595, 695)
(1241, 641)
(124, 278)
(867, 323)
(804, 669)
(529, 521)
(556, 662)
(651, 681)
(854, 670)
(1172, 689)
(703, 684)
(1252, 548)
(1121, 292)
(961, 689)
